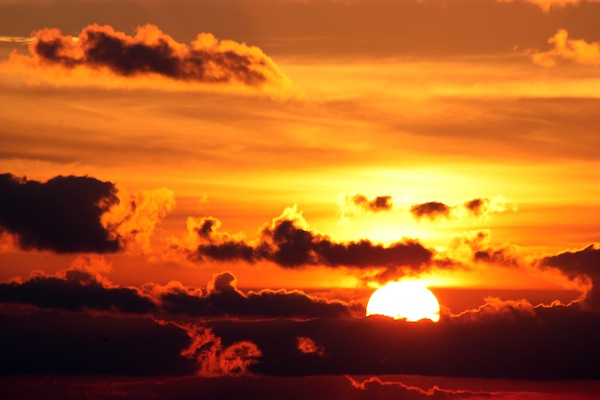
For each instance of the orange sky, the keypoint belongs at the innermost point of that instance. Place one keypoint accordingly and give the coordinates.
(264, 113)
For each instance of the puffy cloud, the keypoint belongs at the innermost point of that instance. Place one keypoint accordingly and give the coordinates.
(288, 242)
(71, 214)
(577, 51)
(150, 51)
(350, 204)
(62, 215)
(576, 264)
(134, 218)
(224, 299)
(431, 210)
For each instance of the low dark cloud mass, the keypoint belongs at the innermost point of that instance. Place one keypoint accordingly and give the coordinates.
(507, 340)
(224, 299)
(289, 243)
(431, 210)
(151, 51)
(379, 203)
(62, 215)
(77, 290)
(580, 263)
(231, 388)
(74, 343)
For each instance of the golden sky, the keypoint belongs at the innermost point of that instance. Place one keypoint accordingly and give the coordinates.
(319, 148)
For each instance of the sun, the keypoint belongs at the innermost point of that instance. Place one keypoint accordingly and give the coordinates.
(404, 300)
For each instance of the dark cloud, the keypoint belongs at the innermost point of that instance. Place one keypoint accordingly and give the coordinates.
(379, 203)
(72, 343)
(150, 51)
(431, 210)
(224, 299)
(62, 215)
(289, 244)
(577, 263)
(477, 206)
(78, 290)
(510, 340)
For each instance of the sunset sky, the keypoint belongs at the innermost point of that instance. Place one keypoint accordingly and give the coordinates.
(201, 196)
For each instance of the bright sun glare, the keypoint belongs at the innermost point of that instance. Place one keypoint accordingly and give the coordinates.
(404, 300)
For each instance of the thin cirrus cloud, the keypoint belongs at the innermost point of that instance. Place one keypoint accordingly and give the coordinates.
(70, 214)
(150, 51)
(289, 243)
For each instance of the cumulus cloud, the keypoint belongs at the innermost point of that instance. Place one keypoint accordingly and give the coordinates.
(350, 204)
(134, 218)
(150, 51)
(290, 243)
(481, 207)
(577, 51)
(224, 299)
(72, 214)
(62, 215)
(431, 210)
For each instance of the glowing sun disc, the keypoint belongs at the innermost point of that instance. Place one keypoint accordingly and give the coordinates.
(404, 300)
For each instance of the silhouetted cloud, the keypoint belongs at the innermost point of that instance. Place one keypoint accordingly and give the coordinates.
(62, 214)
(62, 343)
(477, 206)
(577, 51)
(288, 242)
(378, 203)
(431, 210)
(150, 51)
(224, 299)
(77, 290)
(575, 264)
(511, 340)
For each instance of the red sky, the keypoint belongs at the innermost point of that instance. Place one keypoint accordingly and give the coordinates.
(227, 182)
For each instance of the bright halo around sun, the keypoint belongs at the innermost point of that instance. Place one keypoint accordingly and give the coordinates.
(404, 300)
